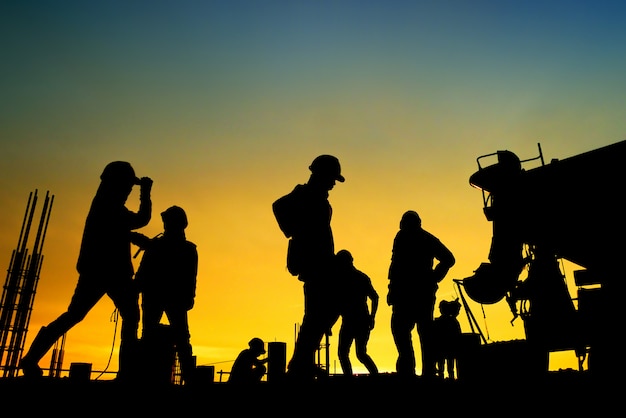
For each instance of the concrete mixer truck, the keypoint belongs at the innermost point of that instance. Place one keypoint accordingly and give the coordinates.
(568, 209)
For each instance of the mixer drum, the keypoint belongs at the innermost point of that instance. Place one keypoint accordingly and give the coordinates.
(488, 285)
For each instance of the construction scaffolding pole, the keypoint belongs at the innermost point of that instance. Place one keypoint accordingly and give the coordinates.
(20, 287)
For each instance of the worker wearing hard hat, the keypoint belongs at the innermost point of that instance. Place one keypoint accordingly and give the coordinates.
(104, 266)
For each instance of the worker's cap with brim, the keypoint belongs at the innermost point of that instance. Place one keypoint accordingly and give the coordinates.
(175, 215)
(119, 172)
(327, 165)
(257, 344)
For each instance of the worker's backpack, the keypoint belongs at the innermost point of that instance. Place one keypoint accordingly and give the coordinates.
(287, 211)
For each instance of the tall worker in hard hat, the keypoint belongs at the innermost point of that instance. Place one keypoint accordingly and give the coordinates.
(104, 266)
(304, 216)
(166, 278)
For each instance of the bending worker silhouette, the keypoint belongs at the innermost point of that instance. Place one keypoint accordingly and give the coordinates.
(248, 367)
(166, 278)
(357, 320)
(304, 216)
(104, 266)
(413, 284)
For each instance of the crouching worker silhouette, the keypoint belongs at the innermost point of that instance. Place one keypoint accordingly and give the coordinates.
(446, 338)
(104, 266)
(248, 367)
(166, 278)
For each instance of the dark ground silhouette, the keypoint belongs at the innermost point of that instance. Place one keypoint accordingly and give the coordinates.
(559, 393)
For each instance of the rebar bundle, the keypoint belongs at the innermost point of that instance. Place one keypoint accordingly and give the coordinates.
(20, 286)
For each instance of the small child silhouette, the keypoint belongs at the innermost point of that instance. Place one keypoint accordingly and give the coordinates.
(447, 333)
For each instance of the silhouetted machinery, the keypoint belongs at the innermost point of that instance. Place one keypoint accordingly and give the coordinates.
(571, 209)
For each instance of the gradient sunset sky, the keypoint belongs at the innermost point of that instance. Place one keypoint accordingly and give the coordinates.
(224, 104)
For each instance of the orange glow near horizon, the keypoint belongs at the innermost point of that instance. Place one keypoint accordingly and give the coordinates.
(244, 289)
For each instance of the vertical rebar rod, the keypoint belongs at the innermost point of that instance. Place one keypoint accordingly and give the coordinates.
(31, 279)
(20, 288)
(13, 282)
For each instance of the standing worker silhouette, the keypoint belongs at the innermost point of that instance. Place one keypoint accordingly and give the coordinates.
(413, 283)
(166, 278)
(104, 266)
(447, 337)
(304, 216)
(357, 320)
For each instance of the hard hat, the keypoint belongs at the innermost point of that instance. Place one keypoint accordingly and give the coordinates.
(327, 165)
(450, 308)
(410, 219)
(257, 345)
(176, 216)
(344, 257)
(119, 172)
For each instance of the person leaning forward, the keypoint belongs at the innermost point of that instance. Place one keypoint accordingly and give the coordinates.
(104, 266)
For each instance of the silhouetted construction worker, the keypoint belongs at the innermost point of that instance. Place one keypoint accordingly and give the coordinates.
(166, 278)
(104, 266)
(357, 320)
(413, 283)
(304, 216)
(248, 367)
(447, 338)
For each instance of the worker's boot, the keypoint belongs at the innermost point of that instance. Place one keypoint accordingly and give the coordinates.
(39, 347)
(187, 362)
(129, 367)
